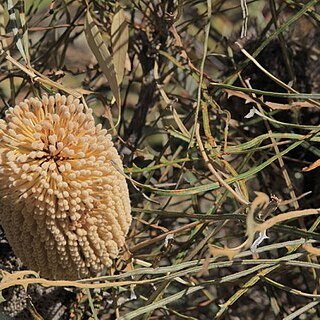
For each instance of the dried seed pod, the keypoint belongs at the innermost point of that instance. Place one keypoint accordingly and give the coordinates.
(65, 206)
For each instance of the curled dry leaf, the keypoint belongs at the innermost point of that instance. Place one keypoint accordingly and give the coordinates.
(258, 207)
(261, 207)
(7, 277)
(259, 203)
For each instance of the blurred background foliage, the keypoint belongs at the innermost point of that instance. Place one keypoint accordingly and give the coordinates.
(175, 82)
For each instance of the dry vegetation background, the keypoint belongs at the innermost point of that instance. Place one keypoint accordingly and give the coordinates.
(176, 83)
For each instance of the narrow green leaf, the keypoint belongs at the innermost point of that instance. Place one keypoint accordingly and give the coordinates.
(24, 28)
(102, 54)
(160, 303)
(267, 93)
(120, 43)
(212, 186)
(300, 311)
(17, 20)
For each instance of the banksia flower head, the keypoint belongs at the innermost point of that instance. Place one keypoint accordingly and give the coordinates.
(65, 206)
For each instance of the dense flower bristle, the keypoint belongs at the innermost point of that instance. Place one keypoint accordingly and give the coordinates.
(65, 206)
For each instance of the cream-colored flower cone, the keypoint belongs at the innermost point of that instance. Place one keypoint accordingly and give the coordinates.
(65, 207)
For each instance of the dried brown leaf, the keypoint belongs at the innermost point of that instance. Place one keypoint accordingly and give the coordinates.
(284, 106)
(221, 252)
(260, 202)
(239, 94)
(312, 166)
(284, 217)
(271, 105)
(310, 249)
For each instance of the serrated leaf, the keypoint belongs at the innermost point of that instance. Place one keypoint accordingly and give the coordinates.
(120, 43)
(102, 54)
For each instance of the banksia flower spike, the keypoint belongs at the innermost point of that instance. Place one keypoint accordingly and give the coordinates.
(65, 206)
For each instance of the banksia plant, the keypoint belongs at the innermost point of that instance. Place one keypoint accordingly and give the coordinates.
(65, 206)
